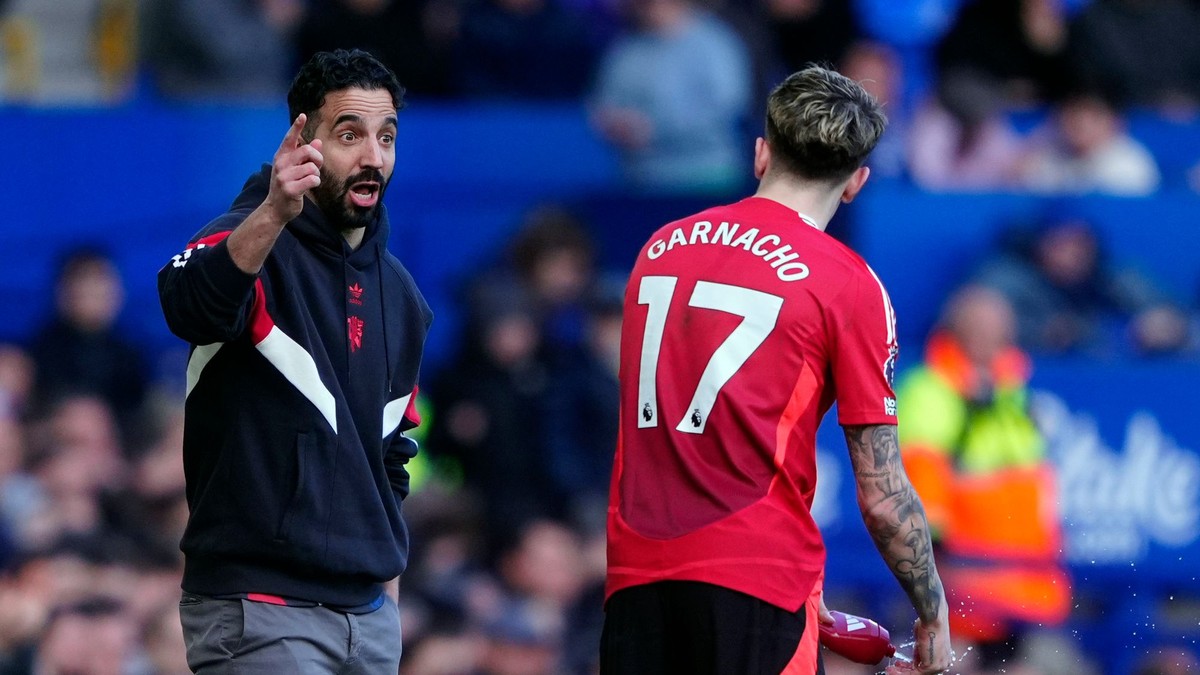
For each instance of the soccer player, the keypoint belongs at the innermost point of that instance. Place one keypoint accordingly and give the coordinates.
(743, 324)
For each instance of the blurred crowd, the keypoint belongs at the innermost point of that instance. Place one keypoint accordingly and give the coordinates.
(982, 94)
(507, 510)
(508, 505)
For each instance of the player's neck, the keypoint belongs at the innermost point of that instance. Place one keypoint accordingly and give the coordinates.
(815, 203)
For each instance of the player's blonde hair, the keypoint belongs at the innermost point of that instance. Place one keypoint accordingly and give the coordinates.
(821, 125)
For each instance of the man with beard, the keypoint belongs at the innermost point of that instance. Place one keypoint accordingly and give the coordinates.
(306, 337)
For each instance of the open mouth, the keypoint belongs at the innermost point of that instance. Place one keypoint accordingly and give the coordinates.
(365, 194)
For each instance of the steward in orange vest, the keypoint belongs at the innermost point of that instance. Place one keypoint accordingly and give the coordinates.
(978, 462)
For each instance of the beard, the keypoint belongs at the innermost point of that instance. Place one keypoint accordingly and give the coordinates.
(332, 196)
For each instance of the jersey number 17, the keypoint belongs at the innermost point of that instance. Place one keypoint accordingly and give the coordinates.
(759, 312)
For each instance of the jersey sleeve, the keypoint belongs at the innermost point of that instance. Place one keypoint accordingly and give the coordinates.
(863, 352)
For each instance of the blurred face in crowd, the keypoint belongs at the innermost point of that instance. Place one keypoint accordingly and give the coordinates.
(96, 645)
(90, 296)
(511, 339)
(984, 324)
(84, 428)
(875, 67)
(12, 446)
(16, 377)
(1087, 124)
(357, 129)
(1067, 254)
(546, 564)
(560, 276)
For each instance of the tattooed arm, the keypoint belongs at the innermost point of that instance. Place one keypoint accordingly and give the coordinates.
(896, 520)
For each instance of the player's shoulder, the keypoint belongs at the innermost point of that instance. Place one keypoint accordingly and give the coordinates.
(847, 258)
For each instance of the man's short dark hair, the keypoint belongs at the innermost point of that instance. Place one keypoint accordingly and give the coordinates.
(821, 125)
(340, 69)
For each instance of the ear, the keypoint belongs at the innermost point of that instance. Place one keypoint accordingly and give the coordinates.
(855, 184)
(762, 157)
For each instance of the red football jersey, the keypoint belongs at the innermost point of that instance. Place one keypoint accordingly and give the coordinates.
(742, 325)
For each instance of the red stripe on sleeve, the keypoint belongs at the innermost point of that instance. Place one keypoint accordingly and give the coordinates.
(210, 240)
(261, 322)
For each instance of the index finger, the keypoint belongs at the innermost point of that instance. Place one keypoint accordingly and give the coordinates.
(292, 140)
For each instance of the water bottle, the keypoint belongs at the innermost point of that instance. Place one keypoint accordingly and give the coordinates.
(856, 638)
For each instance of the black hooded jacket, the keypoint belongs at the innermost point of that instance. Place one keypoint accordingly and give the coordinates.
(300, 384)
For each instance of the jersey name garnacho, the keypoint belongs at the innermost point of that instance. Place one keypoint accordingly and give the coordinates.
(742, 325)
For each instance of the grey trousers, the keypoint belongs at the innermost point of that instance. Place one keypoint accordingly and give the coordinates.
(239, 636)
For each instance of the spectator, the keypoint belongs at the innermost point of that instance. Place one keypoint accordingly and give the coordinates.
(877, 67)
(552, 258)
(76, 460)
(58, 575)
(151, 510)
(1085, 149)
(17, 374)
(979, 464)
(811, 31)
(80, 350)
(522, 641)
(490, 411)
(67, 52)
(1020, 44)
(670, 96)
(581, 410)
(94, 636)
(219, 49)
(1139, 52)
(961, 140)
(412, 37)
(1068, 294)
(543, 566)
(525, 49)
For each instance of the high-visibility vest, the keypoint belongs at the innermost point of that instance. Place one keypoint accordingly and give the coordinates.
(988, 490)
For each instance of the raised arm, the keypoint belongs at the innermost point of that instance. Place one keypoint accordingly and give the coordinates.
(206, 291)
(896, 521)
(296, 170)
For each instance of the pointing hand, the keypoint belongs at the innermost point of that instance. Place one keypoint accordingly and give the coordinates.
(296, 170)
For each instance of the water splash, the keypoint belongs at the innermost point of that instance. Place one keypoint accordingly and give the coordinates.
(902, 661)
